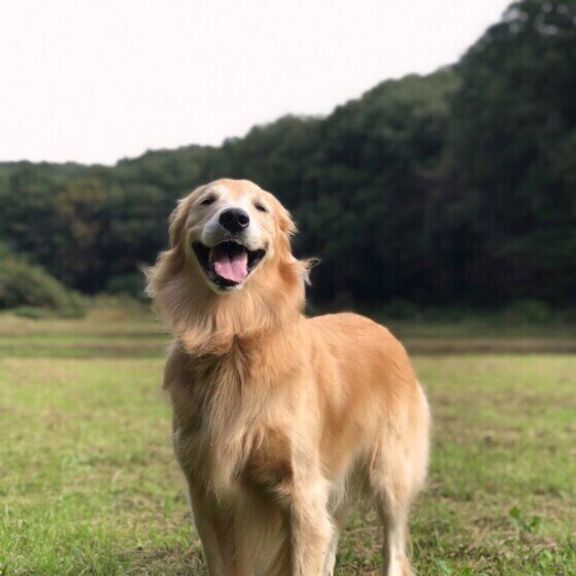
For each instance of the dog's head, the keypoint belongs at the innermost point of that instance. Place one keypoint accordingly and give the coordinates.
(229, 274)
(228, 231)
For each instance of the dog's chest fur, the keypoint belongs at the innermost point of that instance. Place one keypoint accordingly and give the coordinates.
(223, 433)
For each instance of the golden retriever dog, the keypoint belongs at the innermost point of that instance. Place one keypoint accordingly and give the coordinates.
(276, 414)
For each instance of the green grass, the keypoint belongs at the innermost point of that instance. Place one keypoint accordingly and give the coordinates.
(89, 485)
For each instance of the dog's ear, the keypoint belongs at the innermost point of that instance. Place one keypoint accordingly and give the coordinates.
(307, 266)
(285, 222)
(176, 222)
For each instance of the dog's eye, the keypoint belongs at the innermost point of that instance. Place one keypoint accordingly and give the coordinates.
(260, 207)
(208, 200)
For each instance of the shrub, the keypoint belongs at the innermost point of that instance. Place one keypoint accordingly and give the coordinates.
(400, 309)
(127, 284)
(529, 311)
(30, 312)
(27, 286)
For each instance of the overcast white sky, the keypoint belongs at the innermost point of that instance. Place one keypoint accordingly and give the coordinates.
(99, 80)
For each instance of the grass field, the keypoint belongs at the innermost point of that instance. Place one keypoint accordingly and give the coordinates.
(88, 483)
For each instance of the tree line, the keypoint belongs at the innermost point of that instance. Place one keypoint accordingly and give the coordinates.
(458, 187)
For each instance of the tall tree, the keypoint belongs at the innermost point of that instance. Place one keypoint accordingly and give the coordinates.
(514, 146)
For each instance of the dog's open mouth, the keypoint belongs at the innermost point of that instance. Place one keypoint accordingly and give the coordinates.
(227, 264)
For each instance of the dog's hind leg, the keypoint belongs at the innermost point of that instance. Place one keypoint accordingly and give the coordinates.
(395, 527)
(390, 484)
(396, 474)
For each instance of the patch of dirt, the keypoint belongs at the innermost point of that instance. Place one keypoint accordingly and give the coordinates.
(445, 346)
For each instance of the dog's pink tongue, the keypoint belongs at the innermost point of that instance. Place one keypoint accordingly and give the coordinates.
(233, 267)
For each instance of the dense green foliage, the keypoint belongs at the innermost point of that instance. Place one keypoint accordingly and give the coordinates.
(515, 151)
(29, 287)
(454, 188)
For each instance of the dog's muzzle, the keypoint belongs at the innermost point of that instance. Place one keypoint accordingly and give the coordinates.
(227, 264)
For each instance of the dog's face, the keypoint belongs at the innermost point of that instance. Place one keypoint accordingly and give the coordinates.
(230, 228)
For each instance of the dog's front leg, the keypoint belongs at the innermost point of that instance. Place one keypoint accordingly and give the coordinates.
(215, 527)
(311, 529)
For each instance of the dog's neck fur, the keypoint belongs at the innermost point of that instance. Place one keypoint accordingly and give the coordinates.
(239, 347)
(207, 323)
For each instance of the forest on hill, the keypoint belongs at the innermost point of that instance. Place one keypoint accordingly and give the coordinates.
(456, 188)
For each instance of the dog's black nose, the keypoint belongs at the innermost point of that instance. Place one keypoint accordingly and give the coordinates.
(234, 220)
